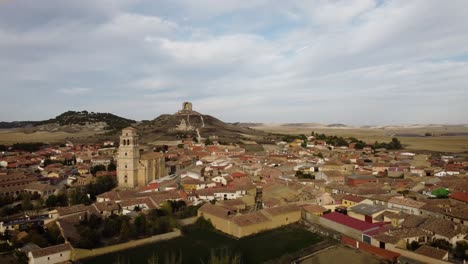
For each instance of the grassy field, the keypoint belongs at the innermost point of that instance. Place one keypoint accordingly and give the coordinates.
(342, 254)
(434, 143)
(196, 245)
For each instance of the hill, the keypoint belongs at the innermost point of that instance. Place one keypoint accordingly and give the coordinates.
(72, 121)
(186, 123)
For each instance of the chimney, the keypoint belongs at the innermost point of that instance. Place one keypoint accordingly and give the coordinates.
(259, 198)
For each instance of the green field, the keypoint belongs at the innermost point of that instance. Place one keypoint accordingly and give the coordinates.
(196, 245)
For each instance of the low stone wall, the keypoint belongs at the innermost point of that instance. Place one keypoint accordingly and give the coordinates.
(79, 253)
(418, 257)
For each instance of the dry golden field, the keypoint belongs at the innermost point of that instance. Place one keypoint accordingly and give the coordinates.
(370, 135)
(11, 136)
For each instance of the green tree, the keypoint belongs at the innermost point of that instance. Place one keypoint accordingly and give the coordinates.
(413, 246)
(124, 231)
(89, 238)
(441, 243)
(26, 202)
(97, 168)
(208, 142)
(53, 235)
(224, 256)
(140, 225)
(111, 167)
(461, 250)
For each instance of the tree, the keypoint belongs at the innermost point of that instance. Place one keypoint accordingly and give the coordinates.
(26, 202)
(124, 231)
(140, 225)
(53, 235)
(208, 142)
(6, 199)
(181, 146)
(413, 246)
(111, 167)
(441, 243)
(224, 256)
(461, 250)
(112, 226)
(89, 238)
(97, 168)
(395, 144)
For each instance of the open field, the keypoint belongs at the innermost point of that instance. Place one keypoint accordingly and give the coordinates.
(437, 143)
(196, 245)
(342, 254)
(11, 136)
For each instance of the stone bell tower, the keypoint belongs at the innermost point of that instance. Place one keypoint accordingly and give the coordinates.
(128, 158)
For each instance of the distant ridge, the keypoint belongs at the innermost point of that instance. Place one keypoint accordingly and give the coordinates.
(337, 125)
(74, 118)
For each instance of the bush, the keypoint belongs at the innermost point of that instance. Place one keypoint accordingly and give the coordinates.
(441, 243)
(461, 249)
(413, 246)
(203, 223)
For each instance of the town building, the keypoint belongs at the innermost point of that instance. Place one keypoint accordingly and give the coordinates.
(135, 169)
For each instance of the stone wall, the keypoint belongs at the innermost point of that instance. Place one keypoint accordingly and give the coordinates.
(79, 253)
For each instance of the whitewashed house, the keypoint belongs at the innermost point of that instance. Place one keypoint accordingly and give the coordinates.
(50, 255)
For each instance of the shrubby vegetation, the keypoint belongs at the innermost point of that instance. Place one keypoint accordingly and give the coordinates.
(95, 232)
(80, 195)
(303, 175)
(30, 147)
(394, 144)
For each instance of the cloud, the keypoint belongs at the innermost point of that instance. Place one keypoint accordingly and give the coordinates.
(354, 62)
(74, 91)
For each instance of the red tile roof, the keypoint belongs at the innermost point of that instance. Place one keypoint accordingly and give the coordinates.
(460, 196)
(351, 222)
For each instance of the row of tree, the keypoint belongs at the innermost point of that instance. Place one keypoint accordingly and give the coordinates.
(120, 228)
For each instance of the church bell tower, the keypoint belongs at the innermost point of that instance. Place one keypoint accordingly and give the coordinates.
(128, 158)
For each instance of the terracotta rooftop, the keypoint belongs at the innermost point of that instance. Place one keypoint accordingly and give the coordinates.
(281, 209)
(460, 196)
(249, 219)
(431, 252)
(406, 202)
(353, 198)
(314, 208)
(214, 210)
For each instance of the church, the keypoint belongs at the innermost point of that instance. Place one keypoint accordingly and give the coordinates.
(135, 169)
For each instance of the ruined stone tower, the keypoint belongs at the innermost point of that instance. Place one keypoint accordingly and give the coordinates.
(187, 106)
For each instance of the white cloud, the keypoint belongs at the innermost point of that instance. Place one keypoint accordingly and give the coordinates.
(74, 91)
(326, 61)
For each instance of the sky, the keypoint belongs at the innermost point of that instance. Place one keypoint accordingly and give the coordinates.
(361, 62)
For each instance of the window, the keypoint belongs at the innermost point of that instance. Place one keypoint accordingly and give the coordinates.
(48, 258)
(125, 166)
(125, 153)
